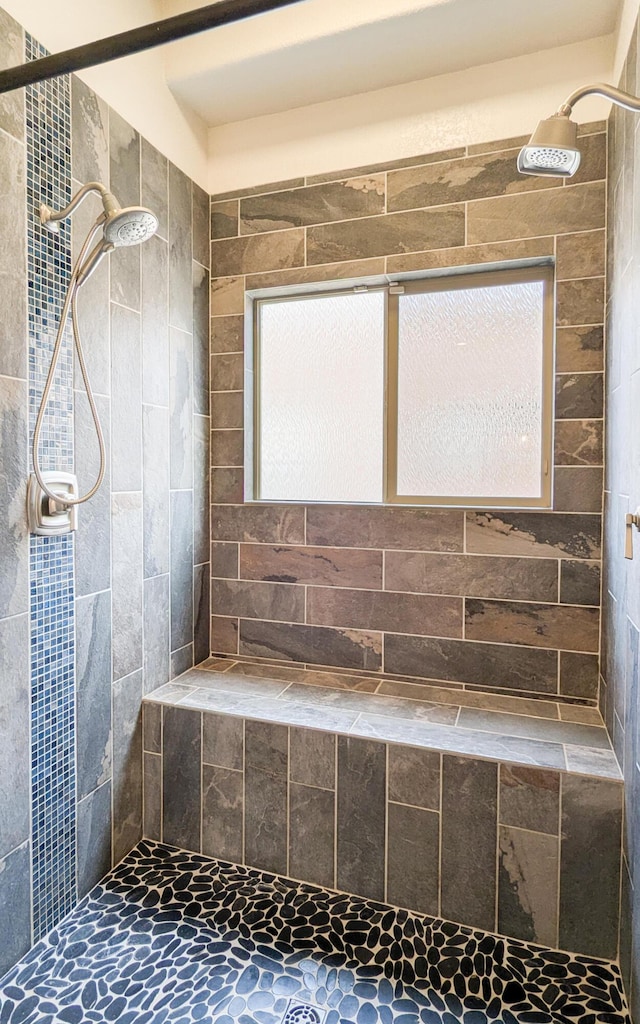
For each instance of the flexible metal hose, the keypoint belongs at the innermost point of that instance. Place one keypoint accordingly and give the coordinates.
(70, 302)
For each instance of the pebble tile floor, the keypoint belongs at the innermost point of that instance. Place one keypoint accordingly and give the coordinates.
(175, 937)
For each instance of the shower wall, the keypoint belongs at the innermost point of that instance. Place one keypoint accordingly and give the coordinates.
(620, 685)
(489, 599)
(90, 623)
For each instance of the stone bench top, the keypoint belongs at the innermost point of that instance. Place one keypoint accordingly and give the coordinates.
(544, 733)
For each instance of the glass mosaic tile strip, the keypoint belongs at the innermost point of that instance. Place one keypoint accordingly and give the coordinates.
(53, 785)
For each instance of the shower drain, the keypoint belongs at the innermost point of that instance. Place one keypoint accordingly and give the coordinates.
(302, 1013)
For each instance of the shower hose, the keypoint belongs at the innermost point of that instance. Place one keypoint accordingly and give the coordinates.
(70, 302)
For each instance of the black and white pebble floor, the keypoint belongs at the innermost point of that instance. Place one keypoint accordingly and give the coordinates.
(175, 937)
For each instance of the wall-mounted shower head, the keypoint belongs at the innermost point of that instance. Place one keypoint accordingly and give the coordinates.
(552, 149)
(130, 226)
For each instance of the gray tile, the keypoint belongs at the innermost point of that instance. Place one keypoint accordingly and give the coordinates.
(15, 899)
(14, 546)
(127, 764)
(537, 625)
(180, 273)
(126, 526)
(534, 728)
(224, 561)
(361, 816)
(577, 489)
(181, 660)
(181, 407)
(93, 306)
(272, 709)
(94, 838)
(126, 402)
(580, 582)
(155, 492)
(469, 827)
(89, 134)
(200, 339)
(335, 567)
(365, 703)
(235, 681)
(170, 693)
(591, 829)
(579, 675)
(227, 334)
(590, 761)
(525, 579)
(181, 777)
(315, 645)
(152, 792)
(312, 758)
(257, 253)
(200, 222)
(12, 118)
(15, 720)
(392, 233)
(273, 524)
(93, 692)
(223, 741)
(152, 728)
(410, 529)
(202, 508)
(275, 601)
(312, 834)
(13, 328)
(155, 321)
(387, 612)
(414, 777)
(579, 396)
(201, 612)
(265, 843)
(157, 632)
(155, 189)
(124, 151)
(528, 886)
(224, 219)
(413, 858)
(266, 747)
(530, 798)
(222, 813)
(319, 204)
(181, 569)
(93, 536)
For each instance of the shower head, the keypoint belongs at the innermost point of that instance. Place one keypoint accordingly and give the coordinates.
(129, 226)
(552, 149)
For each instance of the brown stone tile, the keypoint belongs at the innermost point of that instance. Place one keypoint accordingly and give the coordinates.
(279, 601)
(253, 253)
(391, 233)
(316, 204)
(577, 489)
(579, 675)
(530, 798)
(593, 158)
(413, 858)
(338, 567)
(514, 142)
(470, 255)
(262, 524)
(224, 561)
(227, 371)
(539, 534)
(227, 486)
(552, 211)
(480, 664)
(528, 885)
(579, 396)
(405, 528)
(578, 443)
(524, 579)
(357, 269)
(448, 693)
(227, 447)
(224, 219)
(390, 165)
(313, 645)
(227, 334)
(257, 190)
(227, 295)
(537, 625)
(392, 613)
(579, 349)
(580, 302)
(312, 757)
(580, 582)
(227, 410)
(459, 181)
(414, 776)
(580, 255)
(224, 635)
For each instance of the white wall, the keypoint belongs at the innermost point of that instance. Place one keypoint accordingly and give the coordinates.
(494, 101)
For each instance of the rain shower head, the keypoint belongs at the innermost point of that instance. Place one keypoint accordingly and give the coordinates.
(552, 149)
(129, 226)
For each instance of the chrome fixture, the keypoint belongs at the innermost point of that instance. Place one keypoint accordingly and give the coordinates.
(553, 147)
(630, 520)
(51, 497)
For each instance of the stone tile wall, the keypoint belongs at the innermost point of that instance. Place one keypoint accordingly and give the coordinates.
(141, 616)
(491, 599)
(620, 685)
(529, 852)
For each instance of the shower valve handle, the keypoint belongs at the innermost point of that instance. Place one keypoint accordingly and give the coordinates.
(631, 519)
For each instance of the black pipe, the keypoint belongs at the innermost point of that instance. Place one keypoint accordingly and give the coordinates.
(135, 41)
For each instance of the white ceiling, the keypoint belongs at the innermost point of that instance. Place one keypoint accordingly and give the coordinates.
(318, 50)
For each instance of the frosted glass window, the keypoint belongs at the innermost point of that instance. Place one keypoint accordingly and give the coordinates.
(320, 423)
(470, 393)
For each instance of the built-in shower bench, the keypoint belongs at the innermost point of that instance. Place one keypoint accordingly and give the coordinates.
(482, 808)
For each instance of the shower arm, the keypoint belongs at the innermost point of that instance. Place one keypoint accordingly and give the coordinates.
(50, 218)
(609, 92)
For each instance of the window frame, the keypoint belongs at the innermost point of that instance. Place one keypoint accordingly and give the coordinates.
(467, 277)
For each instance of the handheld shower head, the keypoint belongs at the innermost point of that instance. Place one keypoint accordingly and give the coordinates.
(129, 226)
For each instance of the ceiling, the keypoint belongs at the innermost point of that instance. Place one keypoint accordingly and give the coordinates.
(319, 50)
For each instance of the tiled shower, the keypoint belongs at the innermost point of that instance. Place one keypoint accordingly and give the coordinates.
(212, 696)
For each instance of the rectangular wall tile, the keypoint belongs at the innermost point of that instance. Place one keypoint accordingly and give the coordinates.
(94, 838)
(13, 329)
(181, 795)
(201, 612)
(152, 728)
(528, 886)
(312, 834)
(222, 813)
(580, 302)
(579, 349)
(536, 625)
(266, 773)
(248, 600)
(578, 443)
(155, 185)
(382, 236)
(580, 582)
(272, 524)
(181, 568)
(14, 549)
(155, 321)
(414, 776)
(181, 409)
(180, 251)
(127, 761)
(230, 256)
(201, 360)
(530, 798)
(368, 609)
(157, 631)
(155, 493)
(413, 858)
(533, 533)
(579, 395)
(93, 536)
(337, 567)
(406, 528)
(124, 156)
(361, 816)
(316, 645)
(15, 897)
(469, 826)
(126, 530)
(318, 204)
(223, 741)
(224, 219)
(312, 757)
(126, 401)
(93, 692)
(578, 208)
(15, 792)
(152, 802)
(579, 675)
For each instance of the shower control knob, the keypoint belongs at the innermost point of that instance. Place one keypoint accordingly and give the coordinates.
(48, 518)
(631, 519)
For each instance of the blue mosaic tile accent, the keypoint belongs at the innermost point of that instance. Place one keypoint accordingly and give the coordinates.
(53, 783)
